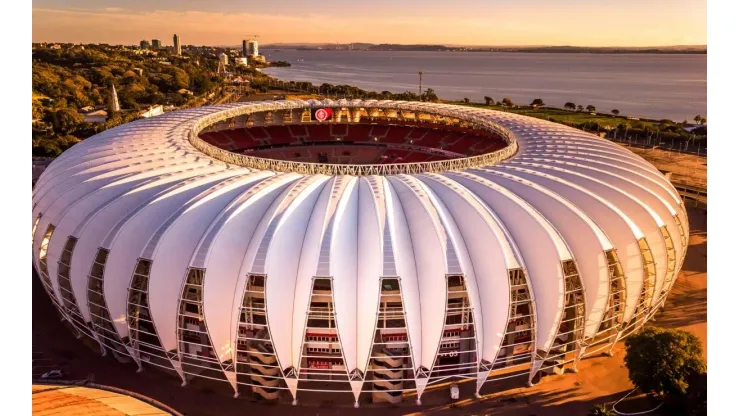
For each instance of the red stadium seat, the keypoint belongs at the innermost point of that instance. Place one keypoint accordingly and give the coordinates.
(379, 131)
(396, 134)
(298, 130)
(338, 129)
(286, 138)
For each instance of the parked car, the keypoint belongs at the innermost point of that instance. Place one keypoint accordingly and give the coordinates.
(454, 392)
(53, 374)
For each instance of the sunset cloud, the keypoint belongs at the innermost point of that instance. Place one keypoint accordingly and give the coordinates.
(502, 26)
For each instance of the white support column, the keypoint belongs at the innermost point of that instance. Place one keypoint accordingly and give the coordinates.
(292, 384)
(231, 377)
(178, 367)
(135, 356)
(535, 368)
(421, 384)
(356, 386)
(481, 378)
(581, 351)
(103, 351)
(608, 352)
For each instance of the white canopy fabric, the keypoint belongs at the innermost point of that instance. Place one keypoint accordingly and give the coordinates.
(143, 191)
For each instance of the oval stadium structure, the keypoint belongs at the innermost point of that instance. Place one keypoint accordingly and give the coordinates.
(386, 248)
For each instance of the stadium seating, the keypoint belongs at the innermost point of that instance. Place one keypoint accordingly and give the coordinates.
(294, 142)
(298, 131)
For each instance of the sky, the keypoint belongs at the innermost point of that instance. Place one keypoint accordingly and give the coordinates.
(451, 22)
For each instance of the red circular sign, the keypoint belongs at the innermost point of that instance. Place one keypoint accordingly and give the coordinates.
(322, 114)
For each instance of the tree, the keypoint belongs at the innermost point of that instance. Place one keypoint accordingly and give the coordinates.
(429, 95)
(507, 102)
(204, 83)
(52, 146)
(569, 106)
(703, 121)
(590, 108)
(182, 80)
(488, 100)
(467, 100)
(661, 361)
(697, 119)
(615, 112)
(601, 410)
(537, 102)
(64, 120)
(580, 107)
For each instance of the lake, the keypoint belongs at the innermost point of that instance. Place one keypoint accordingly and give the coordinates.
(641, 85)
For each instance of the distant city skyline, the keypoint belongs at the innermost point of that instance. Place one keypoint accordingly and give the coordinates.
(464, 22)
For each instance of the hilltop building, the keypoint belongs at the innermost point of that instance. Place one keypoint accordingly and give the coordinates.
(152, 111)
(95, 116)
(257, 59)
(176, 42)
(252, 48)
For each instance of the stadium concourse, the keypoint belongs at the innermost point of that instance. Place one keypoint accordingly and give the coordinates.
(387, 248)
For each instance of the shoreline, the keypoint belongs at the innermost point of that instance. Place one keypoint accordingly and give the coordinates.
(544, 50)
(280, 83)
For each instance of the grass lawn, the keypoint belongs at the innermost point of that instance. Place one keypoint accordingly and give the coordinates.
(569, 117)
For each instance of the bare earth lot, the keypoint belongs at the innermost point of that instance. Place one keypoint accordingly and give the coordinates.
(686, 168)
(599, 380)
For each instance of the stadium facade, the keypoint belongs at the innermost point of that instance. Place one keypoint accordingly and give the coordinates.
(174, 250)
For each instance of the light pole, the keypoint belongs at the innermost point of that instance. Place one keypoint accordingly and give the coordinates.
(420, 76)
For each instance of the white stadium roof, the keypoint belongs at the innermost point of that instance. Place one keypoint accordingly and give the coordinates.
(147, 191)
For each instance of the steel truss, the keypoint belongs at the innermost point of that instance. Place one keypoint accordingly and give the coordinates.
(612, 320)
(256, 363)
(570, 333)
(100, 318)
(457, 352)
(391, 364)
(519, 339)
(142, 331)
(77, 323)
(644, 303)
(196, 352)
(327, 365)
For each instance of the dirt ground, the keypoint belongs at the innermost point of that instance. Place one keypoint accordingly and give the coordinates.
(687, 169)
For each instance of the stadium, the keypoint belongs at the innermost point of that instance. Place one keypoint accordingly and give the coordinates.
(368, 249)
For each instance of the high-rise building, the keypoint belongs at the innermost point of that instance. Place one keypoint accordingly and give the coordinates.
(176, 42)
(244, 48)
(144, 44)
(156, 44)
(223, 58)
(253, 48)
